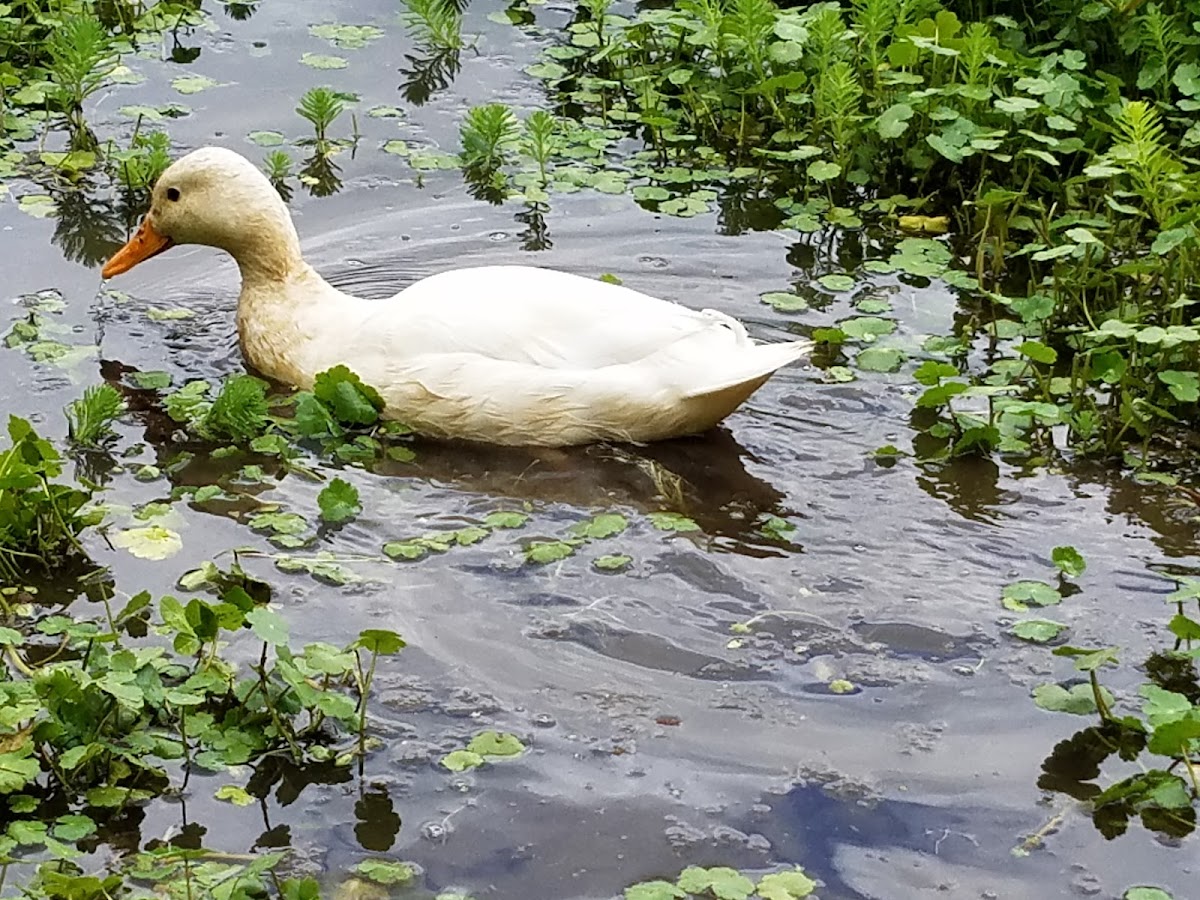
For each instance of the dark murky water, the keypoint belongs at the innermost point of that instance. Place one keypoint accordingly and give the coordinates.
(919, 784)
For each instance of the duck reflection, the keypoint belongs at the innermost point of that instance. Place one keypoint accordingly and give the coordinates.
(704, 478)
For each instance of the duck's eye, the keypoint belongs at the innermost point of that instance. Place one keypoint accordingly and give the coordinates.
(172, 193)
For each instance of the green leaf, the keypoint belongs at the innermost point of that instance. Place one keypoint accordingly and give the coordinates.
(266, 138)
(268, 626)
(1078, 701)
(879, 359)
(1175, 738)
(344, 392)
(1038, 352)
(192, 84)
(491, 743)
(73, 828)
(602, 526)
(1184, 628)
(17, 770)
(784, 301)
(866, 328)
(671, 521)
(823, 170)
(724, 883)
(893, 121)
(505, 519)
(385, 871)
(380, 641)
(323, 61)
(1184, 386)
(1089, 659)
(1146, 893)
(837, 282)
(1166, 241)
(406, 549)
(613, 562)
(792, 885)
(1018, 595)
(338, 502)
(654, 890)
(1069, 561)
(349, 37)
(462, 760)
(1038, 631)
(542, 552)
(150, 542)
(931, 372)
(235, 794)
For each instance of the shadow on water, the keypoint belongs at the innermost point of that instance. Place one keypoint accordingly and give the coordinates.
(704, 477)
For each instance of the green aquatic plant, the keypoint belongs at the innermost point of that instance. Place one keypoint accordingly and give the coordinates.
(90, 418)
(278, 166)
(238, 411)
(40, 517)
(148, 156)
(1070, 188)
(489, 135)
(723, 881)
(1165, 794)
(434, 24)
(321, 106)
(541, 141)
(81, 57)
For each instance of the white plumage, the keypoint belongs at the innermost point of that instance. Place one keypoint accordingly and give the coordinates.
(502, 354)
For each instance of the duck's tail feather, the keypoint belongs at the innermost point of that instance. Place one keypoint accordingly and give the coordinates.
(750, 366)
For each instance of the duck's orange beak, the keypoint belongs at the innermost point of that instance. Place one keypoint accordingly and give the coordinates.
(144, 244)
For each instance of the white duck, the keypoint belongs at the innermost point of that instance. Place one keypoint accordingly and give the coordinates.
(501, 354)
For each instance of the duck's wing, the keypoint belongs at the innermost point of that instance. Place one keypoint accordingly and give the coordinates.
(524, 314)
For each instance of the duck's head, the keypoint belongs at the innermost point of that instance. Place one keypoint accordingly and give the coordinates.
(215, 197)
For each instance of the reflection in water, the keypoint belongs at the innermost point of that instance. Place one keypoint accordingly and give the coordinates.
(743, 207)
(182, 54)
(378, 823)
(88, 228)
(1168, 511)
(704, 478)
(424, 74)
(487, 184)
(240, 12)
(969, 485)
(321, 174)
(536, 235)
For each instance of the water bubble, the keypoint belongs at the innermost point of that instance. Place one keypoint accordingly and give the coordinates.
(436, 831)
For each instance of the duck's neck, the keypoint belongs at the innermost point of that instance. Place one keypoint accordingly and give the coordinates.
(286, 311)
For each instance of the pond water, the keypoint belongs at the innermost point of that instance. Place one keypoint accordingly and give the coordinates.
(658, 738)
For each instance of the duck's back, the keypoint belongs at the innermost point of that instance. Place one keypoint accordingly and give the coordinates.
(531, 315)
(519, 355)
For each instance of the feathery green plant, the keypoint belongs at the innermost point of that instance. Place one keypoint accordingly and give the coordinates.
(81, 57)
(836, 101)
(90, 417)
(489, 133)
(321, 106)
(435, 24)
(541, 140)
(278, 166)
(148, 156)
(240, 410)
